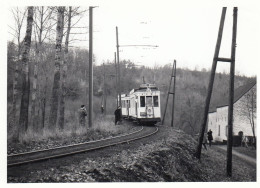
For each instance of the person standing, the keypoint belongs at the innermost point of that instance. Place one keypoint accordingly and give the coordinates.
(210, 137)
(245, 141)
(102, 109)
(82, 115)
(117, 114)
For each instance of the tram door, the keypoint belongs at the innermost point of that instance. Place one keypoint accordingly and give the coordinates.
(149, 106)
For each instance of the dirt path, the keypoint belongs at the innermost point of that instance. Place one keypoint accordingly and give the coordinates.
(240, 155)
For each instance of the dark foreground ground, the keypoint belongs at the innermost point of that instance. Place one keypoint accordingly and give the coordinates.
(165, 157)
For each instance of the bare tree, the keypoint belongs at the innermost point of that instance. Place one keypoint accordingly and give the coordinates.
(73, 14)
(58, 59)
(23, 121)
(19, 16)
(43, 26)
(190, 113)
(248, 108)
(64, 71)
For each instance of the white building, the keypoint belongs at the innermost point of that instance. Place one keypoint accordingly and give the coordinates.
(218, 115)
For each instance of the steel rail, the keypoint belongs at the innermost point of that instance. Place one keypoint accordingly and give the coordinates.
(72, 145)
(87, 149)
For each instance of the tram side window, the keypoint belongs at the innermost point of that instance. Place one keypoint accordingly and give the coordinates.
(142, 101)
(155, 101)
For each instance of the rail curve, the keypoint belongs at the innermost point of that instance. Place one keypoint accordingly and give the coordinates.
(27, 157)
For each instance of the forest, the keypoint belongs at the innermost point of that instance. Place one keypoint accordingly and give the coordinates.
(40, 65)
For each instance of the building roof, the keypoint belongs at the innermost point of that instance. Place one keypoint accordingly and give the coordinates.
(238, 93)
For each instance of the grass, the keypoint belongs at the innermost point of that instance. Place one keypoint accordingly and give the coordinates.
(250, 151)
(71, 126)
(49, 136)
(214, 163)
(103, 127)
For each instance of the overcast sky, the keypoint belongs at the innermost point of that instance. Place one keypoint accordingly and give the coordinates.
(183, 30)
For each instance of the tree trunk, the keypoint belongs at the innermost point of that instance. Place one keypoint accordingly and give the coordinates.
(34, 91)
(64, 73)
(56, 81)
(44, 102)
(15, 82)
(15, 87)
(24, 109)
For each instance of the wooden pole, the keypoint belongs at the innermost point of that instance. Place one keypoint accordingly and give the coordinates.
(104, 92)
(116, 82)
(118, 64)
(231, 95)
(165, 109)
(211, 81)
(173, 93)
(90, 67)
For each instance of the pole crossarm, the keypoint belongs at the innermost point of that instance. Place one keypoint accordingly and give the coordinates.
(224, 59)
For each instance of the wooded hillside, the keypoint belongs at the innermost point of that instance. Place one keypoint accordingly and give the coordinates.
(191, 87)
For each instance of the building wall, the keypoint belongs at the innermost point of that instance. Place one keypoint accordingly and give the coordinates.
(212, 124)
(218, 121)
(241, 121)
(221, 123)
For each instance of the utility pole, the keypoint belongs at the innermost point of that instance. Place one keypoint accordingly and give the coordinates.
(90, 67)
(104, 88)
(173, 93)
(173, 75)
(231, 94)
(231, 88)
(116, 82)
(211, 81)
(118, 66)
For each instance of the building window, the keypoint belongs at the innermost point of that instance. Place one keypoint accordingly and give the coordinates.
(218, 130)
(226, 130)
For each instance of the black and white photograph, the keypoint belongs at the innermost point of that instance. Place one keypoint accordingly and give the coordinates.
(109, 91)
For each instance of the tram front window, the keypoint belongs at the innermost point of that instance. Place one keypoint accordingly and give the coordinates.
(142, 101)
(149, 101)
(155, 101)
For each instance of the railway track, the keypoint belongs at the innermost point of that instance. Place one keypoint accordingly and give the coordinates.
(22, 158)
